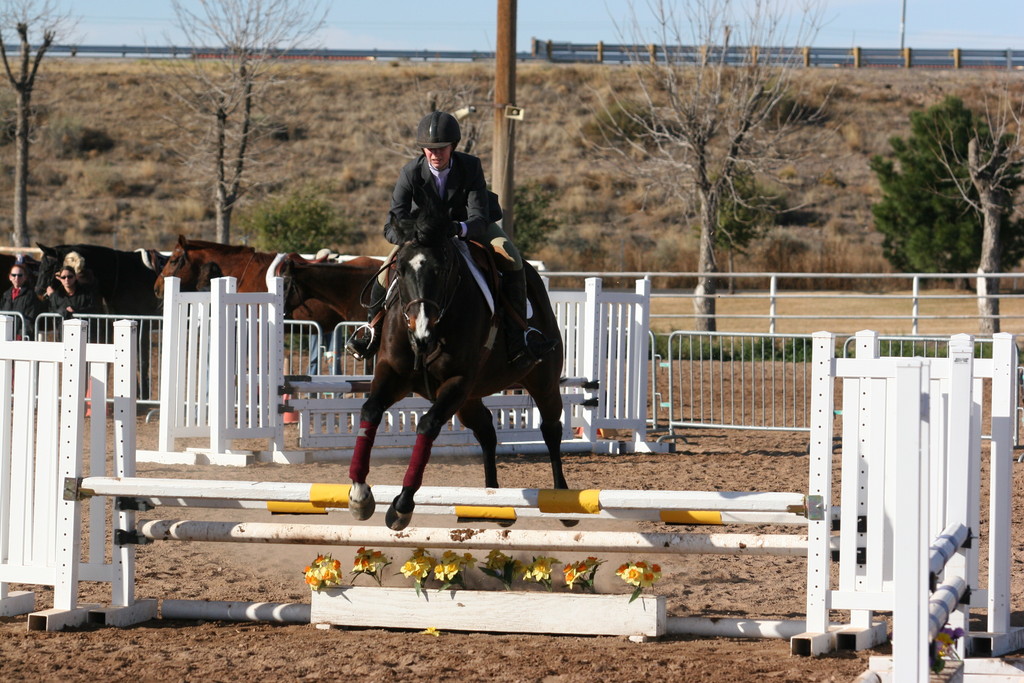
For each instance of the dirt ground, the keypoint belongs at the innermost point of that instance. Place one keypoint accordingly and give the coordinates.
(710, 585)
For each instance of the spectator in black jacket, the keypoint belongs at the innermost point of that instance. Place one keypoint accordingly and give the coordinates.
(72, 297)
(21, 298)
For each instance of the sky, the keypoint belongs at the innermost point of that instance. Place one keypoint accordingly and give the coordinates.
(470, 24)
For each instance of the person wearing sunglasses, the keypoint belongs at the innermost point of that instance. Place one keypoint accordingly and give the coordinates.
(72, 296)
(21, 298)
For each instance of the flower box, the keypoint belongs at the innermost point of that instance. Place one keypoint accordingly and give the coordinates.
(495, 611)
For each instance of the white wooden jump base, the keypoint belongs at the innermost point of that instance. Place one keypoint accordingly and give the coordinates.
(42, 439)
(227, 348)
(893, 410)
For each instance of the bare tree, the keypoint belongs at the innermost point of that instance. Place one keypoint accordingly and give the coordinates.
(717, 100)
(995, 169)
(221, 89)
(27, 18)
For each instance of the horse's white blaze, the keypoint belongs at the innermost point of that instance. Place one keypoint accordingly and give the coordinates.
(421, 331)
(416, 262)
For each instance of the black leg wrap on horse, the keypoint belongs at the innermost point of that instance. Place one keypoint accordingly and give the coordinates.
(399, 513)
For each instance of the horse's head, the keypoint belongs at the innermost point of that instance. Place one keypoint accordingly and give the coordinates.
(51, 262)
(208, 272)
(294, 292)
(178, 265)
(428, 275)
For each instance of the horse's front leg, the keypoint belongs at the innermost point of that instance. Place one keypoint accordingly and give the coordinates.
(450, 395)
(383, 394)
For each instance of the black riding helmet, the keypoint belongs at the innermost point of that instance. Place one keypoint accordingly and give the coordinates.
(438, 129)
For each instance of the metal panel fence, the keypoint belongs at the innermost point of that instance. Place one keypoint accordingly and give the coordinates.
(753, 381)
(304, 349)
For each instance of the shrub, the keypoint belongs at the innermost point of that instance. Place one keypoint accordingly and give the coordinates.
(68, 138)
(617, 124)
(302, 221)
(532, 216)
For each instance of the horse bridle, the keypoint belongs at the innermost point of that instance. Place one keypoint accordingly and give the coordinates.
(449, 288)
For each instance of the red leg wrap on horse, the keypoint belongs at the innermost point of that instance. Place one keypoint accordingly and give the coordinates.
(418, 462)
(360, 465)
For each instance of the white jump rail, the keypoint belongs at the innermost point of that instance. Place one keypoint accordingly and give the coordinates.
(554, 501)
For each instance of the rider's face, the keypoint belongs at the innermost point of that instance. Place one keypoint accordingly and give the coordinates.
(440, 157)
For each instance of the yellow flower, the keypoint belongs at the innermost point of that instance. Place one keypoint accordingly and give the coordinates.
(582, 572)
(323, 572)
(371, 563)
(540, 570)
(502, 567)
(497, 560)
(639, 574)
(418, 567)
(451, 568)
(430, 631)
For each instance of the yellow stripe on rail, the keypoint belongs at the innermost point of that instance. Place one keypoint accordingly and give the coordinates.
(329, 495)
(481, 512)
(284, 508)
(587, 501)
(691, 517)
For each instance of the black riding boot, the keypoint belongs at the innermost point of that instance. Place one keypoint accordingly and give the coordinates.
(525, 346)
(365, 341)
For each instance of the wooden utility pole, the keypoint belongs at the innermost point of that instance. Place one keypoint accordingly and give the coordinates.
(503, 173)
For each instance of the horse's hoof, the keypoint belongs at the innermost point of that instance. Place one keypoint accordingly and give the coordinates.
(395, 520)
(360, 502)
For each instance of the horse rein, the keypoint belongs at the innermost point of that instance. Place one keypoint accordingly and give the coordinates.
(252, 255)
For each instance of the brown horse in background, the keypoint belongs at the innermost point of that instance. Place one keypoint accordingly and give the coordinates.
(249, 267)
(441, 340)
(331, 283)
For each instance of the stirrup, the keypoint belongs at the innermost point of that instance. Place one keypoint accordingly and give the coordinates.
(522, 359)
(359, 345)
(537, 344)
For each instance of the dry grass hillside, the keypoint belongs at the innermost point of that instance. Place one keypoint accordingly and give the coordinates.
(105, 166)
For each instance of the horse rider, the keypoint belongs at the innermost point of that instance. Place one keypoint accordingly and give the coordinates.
(457, 179)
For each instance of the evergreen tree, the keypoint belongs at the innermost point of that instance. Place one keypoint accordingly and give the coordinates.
(927, 225)
(534, 223)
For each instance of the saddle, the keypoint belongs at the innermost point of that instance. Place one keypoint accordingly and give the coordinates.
(481, 264)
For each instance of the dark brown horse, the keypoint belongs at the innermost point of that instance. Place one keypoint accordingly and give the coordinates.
(441, 341)
(249, 267)
(331, 283)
